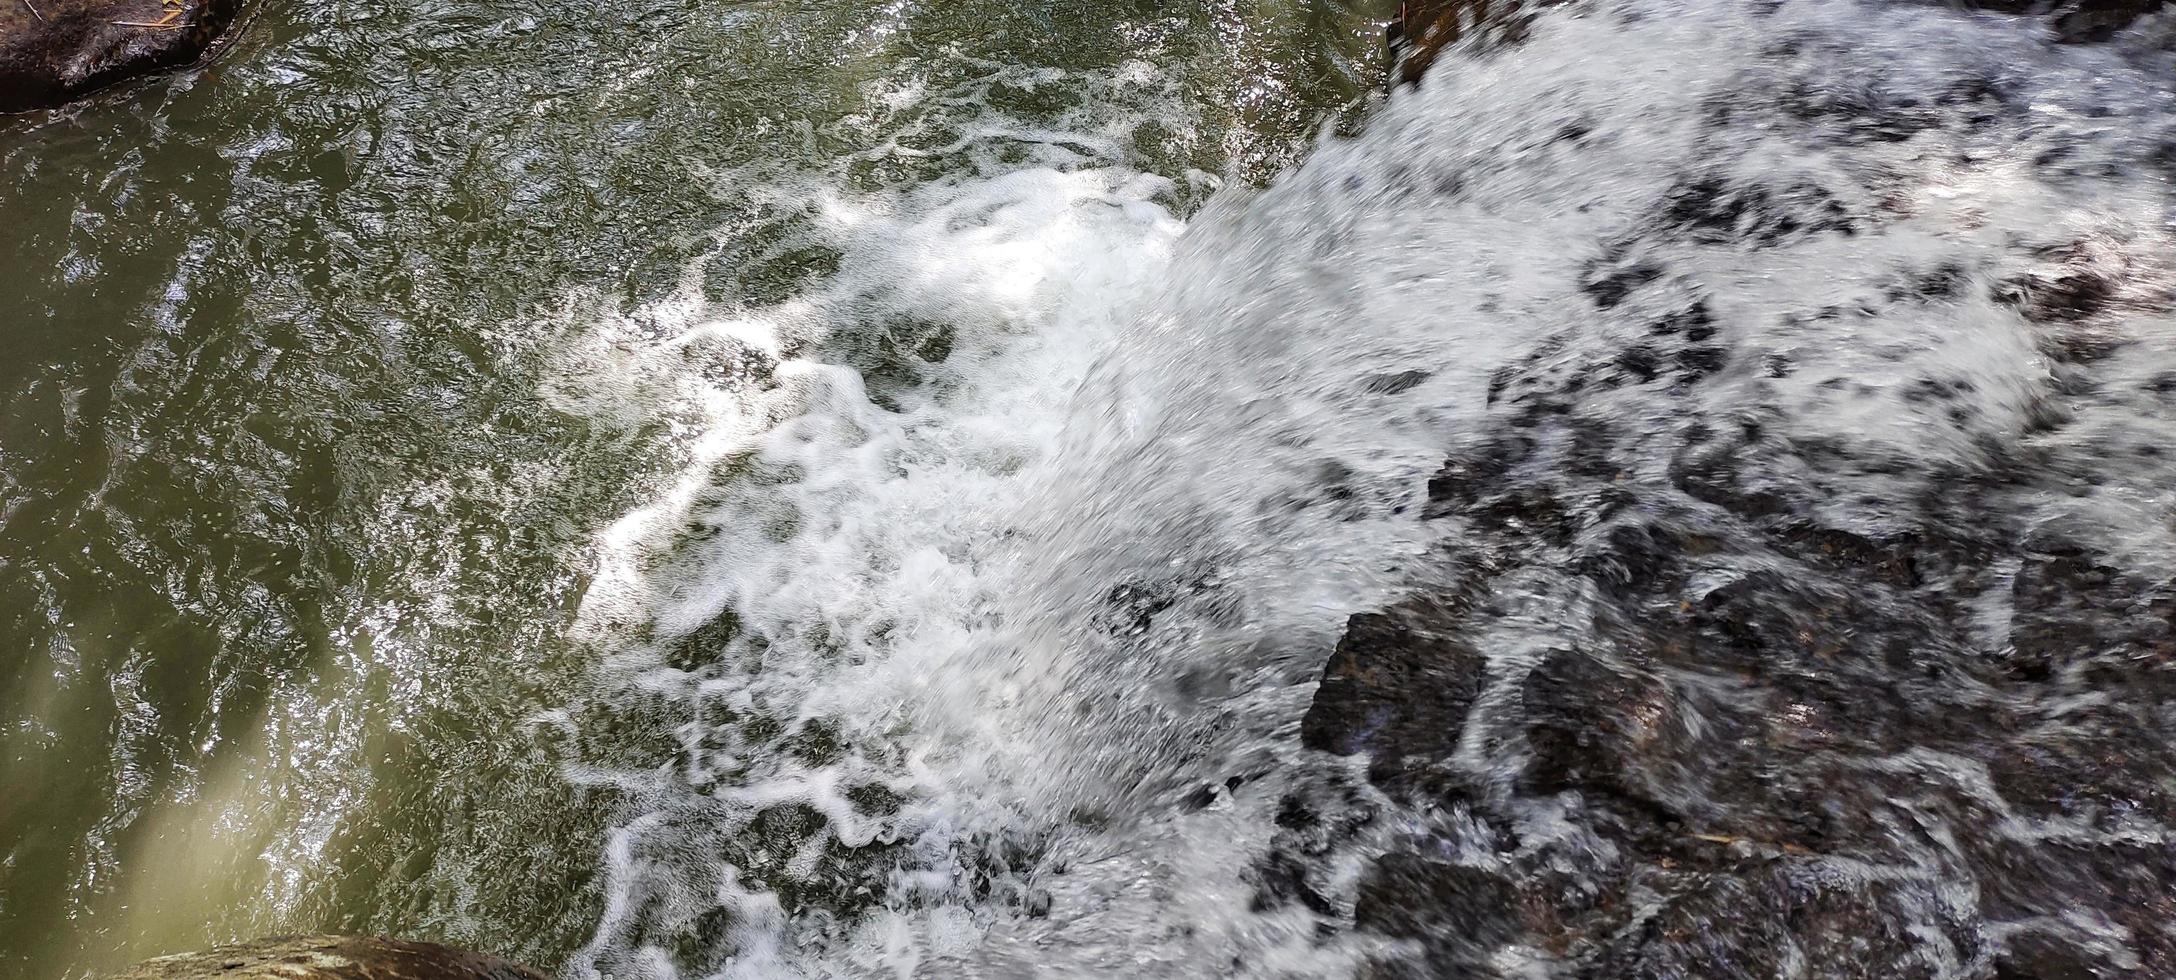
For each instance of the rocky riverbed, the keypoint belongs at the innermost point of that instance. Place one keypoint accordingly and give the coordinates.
(1706, 693)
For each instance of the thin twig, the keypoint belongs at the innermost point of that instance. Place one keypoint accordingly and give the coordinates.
(34, 12)
(174, 11)
(1787, 848)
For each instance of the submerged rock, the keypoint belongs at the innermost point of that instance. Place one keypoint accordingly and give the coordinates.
(55, 51)
(1754, 660)
(1424, 28)
(1763, 746)
(329, 958)
(1400, 683)
(2077, 21)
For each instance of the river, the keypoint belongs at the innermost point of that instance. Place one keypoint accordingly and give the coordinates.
(298, 512)
(694, 488)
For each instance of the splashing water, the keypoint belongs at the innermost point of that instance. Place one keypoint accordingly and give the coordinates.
(974, 636)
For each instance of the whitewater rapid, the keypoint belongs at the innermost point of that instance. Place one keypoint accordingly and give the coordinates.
(1003, 557)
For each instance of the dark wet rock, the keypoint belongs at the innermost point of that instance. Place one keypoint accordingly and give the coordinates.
(2068, 608)
(2099, 20)
(1400, 382)
(1460, 914)
(2040, 956)
(2064, 297)
(1314, 823)
(1399, 685)
(1467, 475)
(1601, 727)
(1770, 742)
(1424, 28)
(1721, 680)
(1761, 919)
(55, 51)
(2076, 21)
(1285, 878)
(1712, 209)
(1609, 288)
(329, 958)
(1707, 694)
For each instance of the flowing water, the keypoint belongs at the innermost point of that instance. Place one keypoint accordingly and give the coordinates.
(756, 489)
(333, 367)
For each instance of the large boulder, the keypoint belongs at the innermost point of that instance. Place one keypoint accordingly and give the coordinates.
(55, 51)
(329, 958)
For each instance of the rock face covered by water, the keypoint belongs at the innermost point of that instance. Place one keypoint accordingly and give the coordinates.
(55, 51)
(1801, 765)
(330, 958)
(2077, 21)
(1424, 28)
(1718, 698)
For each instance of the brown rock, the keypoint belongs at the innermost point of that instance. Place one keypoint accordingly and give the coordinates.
(1425, 27)
(55, 51)
(329, 958)
(1399, 685)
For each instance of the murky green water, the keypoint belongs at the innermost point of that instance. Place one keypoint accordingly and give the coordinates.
(289, 541)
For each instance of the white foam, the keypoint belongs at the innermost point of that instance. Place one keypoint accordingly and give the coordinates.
(1097, 555)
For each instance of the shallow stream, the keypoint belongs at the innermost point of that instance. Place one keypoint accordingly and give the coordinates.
(754, 489)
